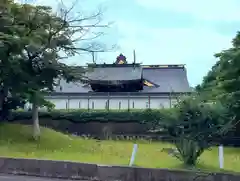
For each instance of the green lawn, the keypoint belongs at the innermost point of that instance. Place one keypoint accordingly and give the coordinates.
(15, 142)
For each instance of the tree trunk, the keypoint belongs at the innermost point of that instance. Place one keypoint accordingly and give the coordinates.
(36, 127)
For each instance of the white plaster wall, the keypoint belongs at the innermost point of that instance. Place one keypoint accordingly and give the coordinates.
(59, 103)
(114, 103)
(159, 103)
(118, 103)
(78, 103)
(139, 103)
(97, 103)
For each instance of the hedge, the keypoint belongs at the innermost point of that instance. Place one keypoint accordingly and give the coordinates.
(99, 115)
(62, 119)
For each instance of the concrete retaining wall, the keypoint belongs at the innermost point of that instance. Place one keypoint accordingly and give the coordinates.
(73, 170)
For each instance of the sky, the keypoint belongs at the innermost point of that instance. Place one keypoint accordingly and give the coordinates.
(186, 32)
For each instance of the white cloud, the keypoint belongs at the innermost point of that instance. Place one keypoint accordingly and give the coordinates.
(220, 10)
(194, 46)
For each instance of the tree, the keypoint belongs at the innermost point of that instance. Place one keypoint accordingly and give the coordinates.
(228, 78)
(10, 49)
(45, 39)
(224, 80)
(193, 126)
(209, 88)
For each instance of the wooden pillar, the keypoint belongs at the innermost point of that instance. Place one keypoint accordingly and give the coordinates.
(170, 100)
(88, 103)
(149, 102)
(68, 102)
(108, 101)
(128, 101)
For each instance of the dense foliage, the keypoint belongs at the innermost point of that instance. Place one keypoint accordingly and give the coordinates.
(98, 116)
(194, 125)
(223, 82)
(34, 39)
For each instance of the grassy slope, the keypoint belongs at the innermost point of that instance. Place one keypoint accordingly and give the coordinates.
(15, 142)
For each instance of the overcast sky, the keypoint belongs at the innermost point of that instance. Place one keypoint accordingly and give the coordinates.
(165, 32)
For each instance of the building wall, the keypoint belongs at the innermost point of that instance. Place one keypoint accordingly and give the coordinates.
(117, 103)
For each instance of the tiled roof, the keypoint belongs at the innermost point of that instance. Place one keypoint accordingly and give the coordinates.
(168, 80)
(72, 87)
(115, 73)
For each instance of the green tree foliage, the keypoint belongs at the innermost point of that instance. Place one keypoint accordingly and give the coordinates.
(223, 79)
(229, 76)
(209, 89)
(10, 49)
(34, 40)
(223, 82)
(194, 125)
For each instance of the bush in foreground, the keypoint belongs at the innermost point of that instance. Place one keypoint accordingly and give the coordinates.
(193, 127)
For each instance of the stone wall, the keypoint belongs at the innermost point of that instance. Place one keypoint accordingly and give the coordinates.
(73, 170)
(93, 128)
(111, 129)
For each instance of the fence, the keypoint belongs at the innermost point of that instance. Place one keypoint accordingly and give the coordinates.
(113, 102)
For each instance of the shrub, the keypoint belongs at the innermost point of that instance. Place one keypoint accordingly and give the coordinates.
(98, 116)
(194, 125)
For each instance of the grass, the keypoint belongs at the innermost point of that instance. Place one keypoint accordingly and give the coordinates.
(15, 142)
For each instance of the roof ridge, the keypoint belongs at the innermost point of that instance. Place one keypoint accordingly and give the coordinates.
(165, 66)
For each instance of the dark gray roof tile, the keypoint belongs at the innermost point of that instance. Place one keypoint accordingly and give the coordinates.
(168, 79)
(115, 73)
(72, 87)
